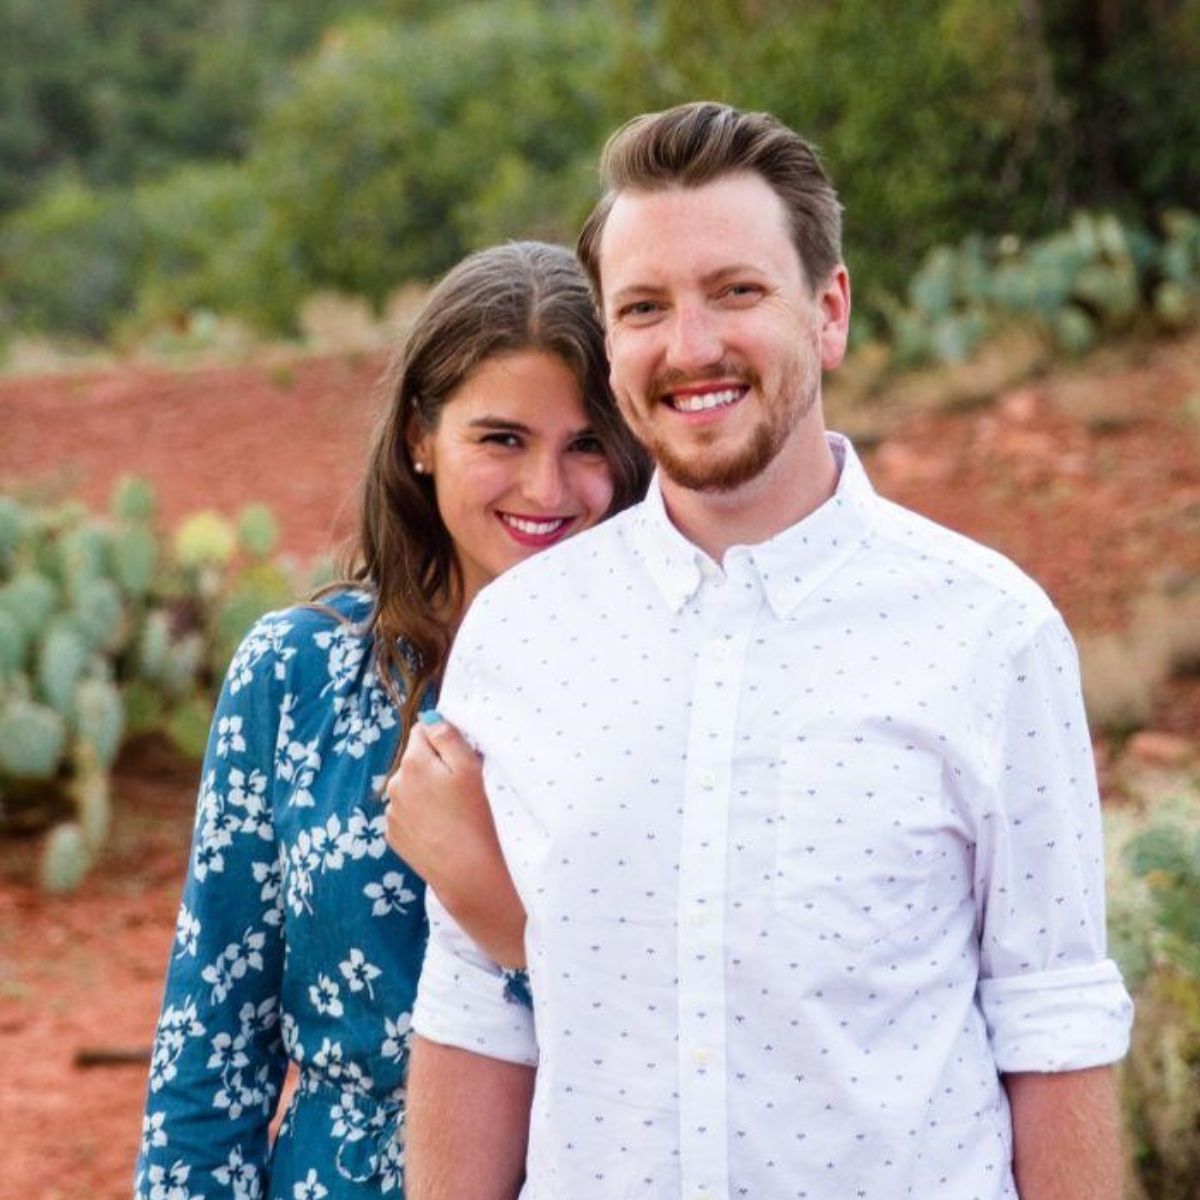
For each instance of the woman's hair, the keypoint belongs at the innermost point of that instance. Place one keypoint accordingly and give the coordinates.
(519, 296)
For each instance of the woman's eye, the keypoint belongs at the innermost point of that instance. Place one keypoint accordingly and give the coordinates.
(511, 440)
(588, 445)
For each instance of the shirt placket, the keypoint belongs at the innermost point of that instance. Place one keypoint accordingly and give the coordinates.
(727, 603)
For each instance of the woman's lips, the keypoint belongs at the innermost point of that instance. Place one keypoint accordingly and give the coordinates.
(534, 531)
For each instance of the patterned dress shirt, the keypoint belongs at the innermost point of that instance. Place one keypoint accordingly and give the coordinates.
(810, 846)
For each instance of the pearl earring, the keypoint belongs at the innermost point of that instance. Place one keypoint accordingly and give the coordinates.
(418, 466)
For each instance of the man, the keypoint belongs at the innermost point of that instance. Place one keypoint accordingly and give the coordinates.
(795, 786)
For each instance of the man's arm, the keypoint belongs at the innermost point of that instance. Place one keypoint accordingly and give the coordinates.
(467, 1125)
(1066, 1135)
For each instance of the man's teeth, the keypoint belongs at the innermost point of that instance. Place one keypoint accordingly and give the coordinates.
(702, 401)
(535, 528)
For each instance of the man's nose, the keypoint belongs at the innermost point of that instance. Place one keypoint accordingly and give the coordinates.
(695, 340)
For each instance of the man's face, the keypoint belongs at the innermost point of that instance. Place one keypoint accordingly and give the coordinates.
(715, 343)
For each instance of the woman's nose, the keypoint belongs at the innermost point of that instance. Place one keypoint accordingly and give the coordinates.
(544, 481)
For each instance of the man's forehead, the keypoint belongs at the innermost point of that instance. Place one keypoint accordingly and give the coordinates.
(734, 219)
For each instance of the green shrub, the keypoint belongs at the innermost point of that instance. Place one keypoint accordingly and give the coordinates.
(70, 262)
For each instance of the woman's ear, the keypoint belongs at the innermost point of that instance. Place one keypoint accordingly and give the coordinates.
(420, 446)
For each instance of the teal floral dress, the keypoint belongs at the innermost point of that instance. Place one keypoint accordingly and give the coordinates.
(299, 938)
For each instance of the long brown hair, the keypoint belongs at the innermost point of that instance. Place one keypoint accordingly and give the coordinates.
(518, 296)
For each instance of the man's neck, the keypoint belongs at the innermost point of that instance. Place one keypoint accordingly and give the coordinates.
(794, 485)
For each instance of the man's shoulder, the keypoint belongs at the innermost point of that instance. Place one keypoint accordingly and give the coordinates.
(956, 558)
(572, 572)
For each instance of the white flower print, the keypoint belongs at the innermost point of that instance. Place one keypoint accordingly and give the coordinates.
(187, 932)
(389, 894)
(327, 840)
(362, 719)
(365, 836)
(266, 637)
(310, 1188)
(290, 1032)
(324, 995)
(171, 1183)
(234, 961)
(346, 649)
(296, 763)
(359, 973)
(303, 860)
(270, 876)
(242, 1176)
(248, 793)
(329, 1059)
(212, 833)
(153, 1134)
(229, 736)
(391, 1168)
(349, 1120)
(228, 1053)
(395, 1044)
(175, 1027)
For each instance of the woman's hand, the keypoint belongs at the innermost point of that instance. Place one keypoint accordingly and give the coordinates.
(439, 822)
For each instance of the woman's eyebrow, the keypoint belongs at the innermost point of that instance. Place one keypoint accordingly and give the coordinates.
(498, 423)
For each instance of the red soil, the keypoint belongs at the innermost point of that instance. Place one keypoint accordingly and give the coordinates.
(1091, 481)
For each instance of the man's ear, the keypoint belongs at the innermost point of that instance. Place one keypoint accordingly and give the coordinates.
(834, 301)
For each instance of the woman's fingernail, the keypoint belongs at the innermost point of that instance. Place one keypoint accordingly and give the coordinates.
(430, 716)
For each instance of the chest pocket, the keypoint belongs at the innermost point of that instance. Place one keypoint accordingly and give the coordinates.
(856, 838)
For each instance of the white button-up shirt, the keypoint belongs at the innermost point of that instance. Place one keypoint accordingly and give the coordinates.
(810, 846)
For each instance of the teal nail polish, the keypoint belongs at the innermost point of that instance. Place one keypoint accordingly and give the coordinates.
(430, 716)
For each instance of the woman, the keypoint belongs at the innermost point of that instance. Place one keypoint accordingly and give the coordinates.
(300, 935)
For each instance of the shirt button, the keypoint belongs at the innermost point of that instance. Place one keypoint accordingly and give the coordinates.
(721, 651)
(697, 919)
(708, 781)
(700, 1058)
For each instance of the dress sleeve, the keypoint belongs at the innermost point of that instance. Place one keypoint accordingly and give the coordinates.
(218, 1058)
(1052, 999)
(465, 999)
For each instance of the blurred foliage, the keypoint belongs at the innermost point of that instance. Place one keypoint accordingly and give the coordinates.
(1154, 929)
(110, 630)
(238, 156)
(1096, 277)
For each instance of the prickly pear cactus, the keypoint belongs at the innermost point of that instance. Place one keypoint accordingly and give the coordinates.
(133, 500)
(205, 539)
(66, 858)
(62, 660)
(257, 531)
(32, 740)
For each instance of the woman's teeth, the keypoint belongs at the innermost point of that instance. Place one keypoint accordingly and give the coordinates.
(534, 528)
(703, 401)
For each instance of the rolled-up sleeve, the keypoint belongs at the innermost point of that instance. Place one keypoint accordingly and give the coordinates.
(1052, 999)
(464, 999)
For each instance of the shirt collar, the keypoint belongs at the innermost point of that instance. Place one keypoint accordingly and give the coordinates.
(789, 565)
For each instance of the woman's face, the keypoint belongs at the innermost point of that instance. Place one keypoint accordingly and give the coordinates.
(515, 465)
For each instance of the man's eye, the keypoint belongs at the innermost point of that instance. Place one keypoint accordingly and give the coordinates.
(638, 310)
(743, 291)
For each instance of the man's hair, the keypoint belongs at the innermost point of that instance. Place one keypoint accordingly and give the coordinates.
(694, 144)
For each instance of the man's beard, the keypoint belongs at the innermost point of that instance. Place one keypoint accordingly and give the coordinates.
(715, 472)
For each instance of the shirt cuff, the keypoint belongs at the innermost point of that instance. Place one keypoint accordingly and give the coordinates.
(1063, 1020)
(464, 1000)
